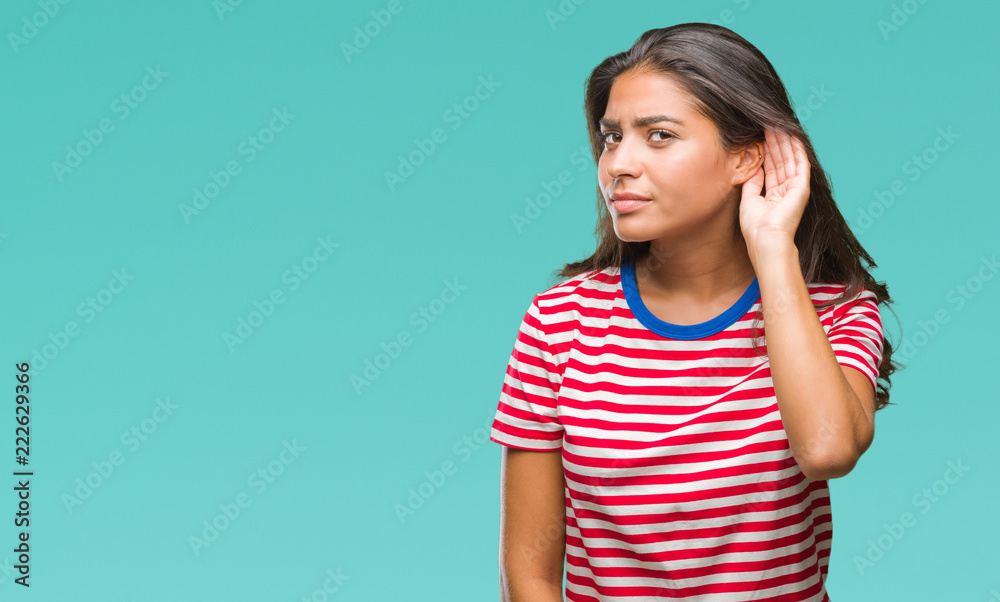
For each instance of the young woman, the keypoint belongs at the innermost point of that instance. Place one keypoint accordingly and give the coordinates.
(708, 369)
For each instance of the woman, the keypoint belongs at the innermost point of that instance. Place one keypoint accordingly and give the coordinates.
(694, 451)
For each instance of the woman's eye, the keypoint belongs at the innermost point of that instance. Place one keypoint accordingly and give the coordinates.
(665, 135)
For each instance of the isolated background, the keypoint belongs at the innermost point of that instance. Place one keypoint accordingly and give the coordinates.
(334, 507)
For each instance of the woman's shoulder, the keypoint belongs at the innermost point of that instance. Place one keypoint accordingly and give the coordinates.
(825, 291)
(586, 288)
(835, 298)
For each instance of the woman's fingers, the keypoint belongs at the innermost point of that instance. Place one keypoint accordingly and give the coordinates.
(801, 159)
(771, 177)
(787, 154)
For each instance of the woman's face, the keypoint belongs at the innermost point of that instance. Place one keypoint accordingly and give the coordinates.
(656, 146)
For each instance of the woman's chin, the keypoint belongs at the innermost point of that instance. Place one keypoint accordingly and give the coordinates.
(629, 235)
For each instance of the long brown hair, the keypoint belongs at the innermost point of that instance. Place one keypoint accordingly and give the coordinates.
(735, 86)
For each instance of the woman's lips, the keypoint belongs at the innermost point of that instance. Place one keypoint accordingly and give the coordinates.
(629, 205)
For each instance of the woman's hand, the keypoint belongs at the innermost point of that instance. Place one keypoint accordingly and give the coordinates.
(786, 173)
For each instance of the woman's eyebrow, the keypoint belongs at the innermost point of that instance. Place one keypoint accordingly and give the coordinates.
(642, 121)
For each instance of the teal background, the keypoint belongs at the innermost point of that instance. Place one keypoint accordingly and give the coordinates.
(334, 506)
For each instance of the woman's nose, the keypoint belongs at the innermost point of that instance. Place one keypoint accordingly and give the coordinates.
(621, 162)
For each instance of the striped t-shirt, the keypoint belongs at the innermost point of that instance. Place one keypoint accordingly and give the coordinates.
(679, 479)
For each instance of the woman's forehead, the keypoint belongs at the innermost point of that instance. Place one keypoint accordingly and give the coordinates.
(641, 95)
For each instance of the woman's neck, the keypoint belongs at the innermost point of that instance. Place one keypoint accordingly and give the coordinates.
(697, 273)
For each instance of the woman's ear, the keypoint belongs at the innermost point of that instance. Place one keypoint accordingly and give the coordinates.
(747, 161)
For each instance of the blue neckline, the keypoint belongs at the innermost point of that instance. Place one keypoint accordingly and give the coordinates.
(685, 331)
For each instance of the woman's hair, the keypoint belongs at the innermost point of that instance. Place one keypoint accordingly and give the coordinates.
(735, 86)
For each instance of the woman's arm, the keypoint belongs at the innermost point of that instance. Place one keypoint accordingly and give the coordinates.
(532, 525)
(827, 410)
